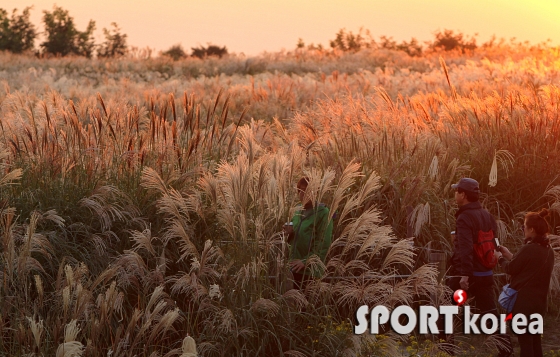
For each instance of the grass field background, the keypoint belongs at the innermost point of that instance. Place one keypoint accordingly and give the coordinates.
(143, 198)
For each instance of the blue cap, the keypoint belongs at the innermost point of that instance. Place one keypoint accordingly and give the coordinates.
(467, 184)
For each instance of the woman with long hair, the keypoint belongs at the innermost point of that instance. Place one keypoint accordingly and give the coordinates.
(530, 269)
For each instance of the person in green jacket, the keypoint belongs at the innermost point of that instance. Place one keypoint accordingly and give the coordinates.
(310, 234)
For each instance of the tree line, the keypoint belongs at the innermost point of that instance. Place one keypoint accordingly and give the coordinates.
(444, 40)
(62, 37)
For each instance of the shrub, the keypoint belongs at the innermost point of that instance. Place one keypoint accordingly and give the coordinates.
(211, 50)
(176, 52)
(413, 47)
(347, 41)
(449, 40)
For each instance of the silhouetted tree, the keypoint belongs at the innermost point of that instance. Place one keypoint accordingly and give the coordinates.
(17, 34)
(176, 52)
(413, 47)
(85, 41)
(211, 50)
(449, 40)
(114, 44)
(347, 41)
(62, 36)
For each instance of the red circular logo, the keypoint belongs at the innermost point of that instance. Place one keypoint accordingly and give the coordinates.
(460, 297)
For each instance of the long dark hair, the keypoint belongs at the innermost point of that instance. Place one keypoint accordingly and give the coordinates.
(537, 221)
(303, 183)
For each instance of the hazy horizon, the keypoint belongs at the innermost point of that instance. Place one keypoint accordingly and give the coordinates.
(253, 27)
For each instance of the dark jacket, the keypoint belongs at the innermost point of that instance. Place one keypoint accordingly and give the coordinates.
(471, 218)
(530, 270)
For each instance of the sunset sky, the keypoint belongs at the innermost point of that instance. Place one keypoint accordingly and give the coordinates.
(254, 26)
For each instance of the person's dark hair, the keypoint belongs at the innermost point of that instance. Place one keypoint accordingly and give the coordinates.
(303, 183)
(537, 221)
(471, 196)
(302, 187)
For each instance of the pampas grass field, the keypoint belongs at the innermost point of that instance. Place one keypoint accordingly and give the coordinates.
(142, 199)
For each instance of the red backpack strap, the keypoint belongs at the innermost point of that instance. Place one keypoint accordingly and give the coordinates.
(484, 248)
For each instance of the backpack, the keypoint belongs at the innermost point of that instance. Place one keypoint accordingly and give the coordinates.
(484, 249)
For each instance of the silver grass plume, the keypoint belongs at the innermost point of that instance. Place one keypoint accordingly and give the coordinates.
(189, 347)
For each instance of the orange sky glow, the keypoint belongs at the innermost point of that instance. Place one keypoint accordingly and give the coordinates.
(254, 26)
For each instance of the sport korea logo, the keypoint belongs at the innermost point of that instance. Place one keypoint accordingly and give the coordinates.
(426, 319)
(460, 297)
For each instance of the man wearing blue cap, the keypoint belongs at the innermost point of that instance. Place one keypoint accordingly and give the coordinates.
(473, 252)
(476, 278)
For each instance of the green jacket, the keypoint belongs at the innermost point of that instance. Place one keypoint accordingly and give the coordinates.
(312, 235)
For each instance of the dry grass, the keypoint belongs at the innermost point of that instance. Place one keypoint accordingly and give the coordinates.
(142, 201)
